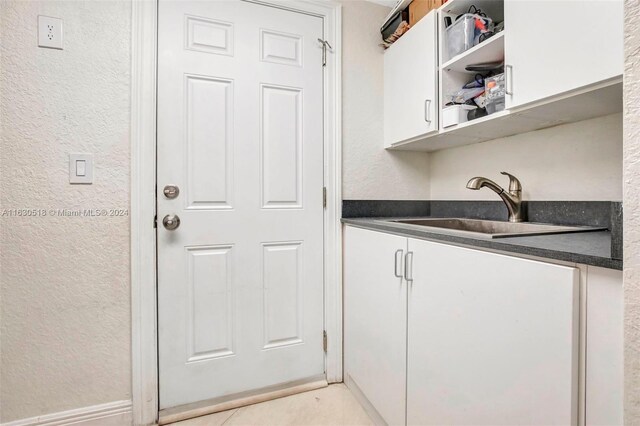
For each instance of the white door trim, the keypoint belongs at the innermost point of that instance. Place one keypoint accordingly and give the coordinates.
(143, 203)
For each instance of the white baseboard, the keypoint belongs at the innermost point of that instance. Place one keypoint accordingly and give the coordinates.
(373, 414)
(117, 413)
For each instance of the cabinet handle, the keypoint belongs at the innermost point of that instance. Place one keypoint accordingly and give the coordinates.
(508, 79)
(408, 266)
(427, 110)
(398, 264)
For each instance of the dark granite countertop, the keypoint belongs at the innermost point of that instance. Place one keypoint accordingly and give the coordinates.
(589, 248)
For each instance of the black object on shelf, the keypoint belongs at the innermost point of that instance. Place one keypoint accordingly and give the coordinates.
(393, 23)
(485, 67)
(485, 36)
(476, 113)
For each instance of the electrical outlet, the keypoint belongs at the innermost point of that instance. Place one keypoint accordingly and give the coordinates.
(49, 32)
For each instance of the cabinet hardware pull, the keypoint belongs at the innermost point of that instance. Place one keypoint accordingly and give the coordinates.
(508, 77)
(396, 264)
(408, 267)
(427, 110)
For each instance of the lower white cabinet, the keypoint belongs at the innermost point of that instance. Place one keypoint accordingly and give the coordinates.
(492, 339)
(375, 334)
(440, 334)
(604, 380)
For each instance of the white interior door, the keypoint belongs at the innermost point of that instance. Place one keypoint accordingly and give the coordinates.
(240, 133)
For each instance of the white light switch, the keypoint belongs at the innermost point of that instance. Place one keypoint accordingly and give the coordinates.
(49, 32)
(80, 168)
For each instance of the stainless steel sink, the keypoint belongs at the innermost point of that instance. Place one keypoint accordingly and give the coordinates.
(488, 228)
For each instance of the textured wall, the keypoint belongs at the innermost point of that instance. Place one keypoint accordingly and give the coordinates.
(369, 171)
(578, 161)
(65, 308)
(65, 280)
(582, 161)
(631, 171)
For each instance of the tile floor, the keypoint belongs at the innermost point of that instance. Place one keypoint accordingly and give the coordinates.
(330, 406)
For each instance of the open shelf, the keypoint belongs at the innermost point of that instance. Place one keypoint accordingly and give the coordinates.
(477, 121)
(493, 8)
(491, 50)
(583, 104)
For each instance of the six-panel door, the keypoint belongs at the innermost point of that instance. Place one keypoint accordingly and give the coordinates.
(375, 322)
(492, 339)
(240, 132)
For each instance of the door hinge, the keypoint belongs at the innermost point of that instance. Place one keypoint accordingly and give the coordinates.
(325, 44)
(324, 197)
(324, 340)
(155, 221)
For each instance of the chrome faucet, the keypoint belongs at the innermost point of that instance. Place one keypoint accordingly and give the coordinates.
(512, 199)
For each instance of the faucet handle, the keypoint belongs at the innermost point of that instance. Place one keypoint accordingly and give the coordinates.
(514, 183)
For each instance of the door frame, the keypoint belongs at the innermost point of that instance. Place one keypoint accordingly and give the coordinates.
(144, 337)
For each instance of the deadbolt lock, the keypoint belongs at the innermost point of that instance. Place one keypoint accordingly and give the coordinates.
(171, 191)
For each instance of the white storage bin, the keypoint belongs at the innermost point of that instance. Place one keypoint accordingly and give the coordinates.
(461, 34)
(455, 114)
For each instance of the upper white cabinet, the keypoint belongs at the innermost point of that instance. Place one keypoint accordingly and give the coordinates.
(410, 84)
(492, 339)
(556, 47)
(563, 63)
(375, 321)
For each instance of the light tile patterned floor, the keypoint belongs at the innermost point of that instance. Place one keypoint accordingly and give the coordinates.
(330, 406)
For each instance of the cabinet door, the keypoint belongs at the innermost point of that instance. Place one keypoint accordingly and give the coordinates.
(605, 363)
(410, 105)
(375, 306)
(492, 339)
(554, 47)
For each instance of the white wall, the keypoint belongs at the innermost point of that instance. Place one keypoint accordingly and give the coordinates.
(581, 161)
(64, 282)
(573, 162)
(369, 171)
(632, 214)
(65, 308)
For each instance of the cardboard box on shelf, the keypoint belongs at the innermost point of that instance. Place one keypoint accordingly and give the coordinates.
(419, 8)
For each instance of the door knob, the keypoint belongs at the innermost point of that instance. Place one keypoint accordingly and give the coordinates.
(171, 222)
(171, 191)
